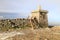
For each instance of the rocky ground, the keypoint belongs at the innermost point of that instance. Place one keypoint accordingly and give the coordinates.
(36, 34)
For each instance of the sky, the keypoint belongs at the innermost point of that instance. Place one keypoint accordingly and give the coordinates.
(23, 8)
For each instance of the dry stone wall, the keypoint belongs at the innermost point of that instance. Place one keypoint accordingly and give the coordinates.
(7, 24)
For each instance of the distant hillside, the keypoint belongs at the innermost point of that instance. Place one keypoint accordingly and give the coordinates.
(7, 15)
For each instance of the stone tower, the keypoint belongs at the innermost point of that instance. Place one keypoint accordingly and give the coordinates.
(41, 16)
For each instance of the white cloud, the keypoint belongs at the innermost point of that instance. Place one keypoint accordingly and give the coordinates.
(1, 17)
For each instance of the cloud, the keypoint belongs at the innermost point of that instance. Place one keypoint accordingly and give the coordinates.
(17, 5)
(1, 17)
